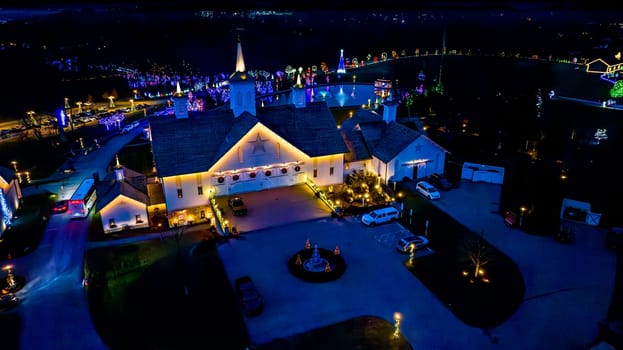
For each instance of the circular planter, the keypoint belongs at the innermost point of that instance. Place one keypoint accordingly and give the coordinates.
(336, 263)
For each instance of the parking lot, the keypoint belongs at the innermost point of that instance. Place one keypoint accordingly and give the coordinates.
(275, 207)
(377, 283)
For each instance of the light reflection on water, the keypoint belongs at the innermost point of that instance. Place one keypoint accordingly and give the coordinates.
(339, 95)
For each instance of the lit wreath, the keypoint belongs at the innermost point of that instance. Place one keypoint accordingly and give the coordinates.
(252, 175)
(268, 173)
(284, 170)
(297, 168)
(236, 177)
(221, 179)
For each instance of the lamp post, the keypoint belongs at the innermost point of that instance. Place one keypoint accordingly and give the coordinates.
(10, 277)
(14, 164)
(522, 209)
(397, 319)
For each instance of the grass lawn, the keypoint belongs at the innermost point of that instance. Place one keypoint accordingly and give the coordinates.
(26, 230)
(484, 300)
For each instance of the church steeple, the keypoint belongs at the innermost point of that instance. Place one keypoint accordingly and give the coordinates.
(241, 87)
(240, 59)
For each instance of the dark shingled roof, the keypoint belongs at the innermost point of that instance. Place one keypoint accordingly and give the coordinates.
(358, 150)
(394, 139)
(189, 145)
(311, 129)
(367, 134)
(7, 174)
(113, 189)
(155, 194)
(194, 144)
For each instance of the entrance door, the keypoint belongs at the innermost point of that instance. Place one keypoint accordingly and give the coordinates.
(415, 172)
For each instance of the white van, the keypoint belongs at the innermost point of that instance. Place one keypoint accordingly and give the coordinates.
(380, 216)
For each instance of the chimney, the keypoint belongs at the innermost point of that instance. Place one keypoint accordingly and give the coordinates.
(179, 101)
(298, 93)
(389, 109)
(119, 174)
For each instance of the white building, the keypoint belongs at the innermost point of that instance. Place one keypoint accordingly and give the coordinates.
(122, 201)
(238, 148)
(10, 195)
(392, 151)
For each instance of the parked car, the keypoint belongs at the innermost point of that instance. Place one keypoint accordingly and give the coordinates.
(427, 190)
(440, 181)
(251, 300)
(380, 216)
(237, 206)
(60, 206)
(404, 244)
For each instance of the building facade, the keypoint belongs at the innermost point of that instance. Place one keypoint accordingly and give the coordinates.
(237, 148)
(10, 196)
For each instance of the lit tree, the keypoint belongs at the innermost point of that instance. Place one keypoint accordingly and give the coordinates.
(409, 103)
(617, 90)
(478, 257)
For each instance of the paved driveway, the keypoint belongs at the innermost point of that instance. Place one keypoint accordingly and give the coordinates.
(568, 287)
(276, 207)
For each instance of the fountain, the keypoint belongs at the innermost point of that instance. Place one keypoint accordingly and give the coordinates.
(317, 264)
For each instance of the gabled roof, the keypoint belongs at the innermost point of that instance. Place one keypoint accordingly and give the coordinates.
(393, 140)
(194, 144)
(189, 145)
(311, 129)
(114, 189)
(367, 135)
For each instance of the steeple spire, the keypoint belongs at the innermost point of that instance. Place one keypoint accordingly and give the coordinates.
(240, 59)
(179, 89)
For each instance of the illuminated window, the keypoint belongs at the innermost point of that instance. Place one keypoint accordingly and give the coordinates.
(200, 190)
(278, 149)
(331, 171)
(315, 172)
(138, 219)
(179, 193)
(202, 214)
(240, 155)
(111, 223)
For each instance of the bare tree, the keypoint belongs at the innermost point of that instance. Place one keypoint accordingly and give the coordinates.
(478, 255)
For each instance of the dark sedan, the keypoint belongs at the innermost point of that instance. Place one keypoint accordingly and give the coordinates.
(440, 181)
(251, 300)
(59, 207)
